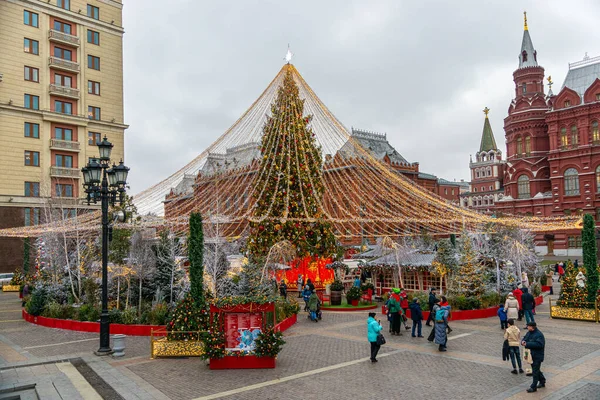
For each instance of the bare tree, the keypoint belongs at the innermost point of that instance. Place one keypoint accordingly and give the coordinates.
(142, 261)
(170, 253)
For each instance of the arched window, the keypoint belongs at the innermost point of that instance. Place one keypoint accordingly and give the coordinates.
(524, 88)
(528, 145)
(574, 136)
(489, 171)
(595, 132)
(598, 179)
(476, 173)
(563, 138)
(524, 56)
(571, 182)
(523, 187)
(519, 146)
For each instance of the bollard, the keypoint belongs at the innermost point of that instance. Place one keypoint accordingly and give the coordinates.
(118, 345)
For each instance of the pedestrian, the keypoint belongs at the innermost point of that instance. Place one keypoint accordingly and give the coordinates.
(389, 314)
(444, 303)
(441, 322)
(311, 286)
(416, 314)
(534, 341)
(511, 306)
(404, 306)
(313, 306)
(528, 305)
(518, 293)
(356, 282)
(431, 303)
(503, 317)
(524, 280)
(561, 271)
(395, 310)
(373, 329)
(300, 283)
(436, 306)
(283, 289)
(576, 264)
(306, 296)
(513, 335)
(556, 269)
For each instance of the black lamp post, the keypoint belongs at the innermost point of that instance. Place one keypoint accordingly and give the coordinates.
(108, 185)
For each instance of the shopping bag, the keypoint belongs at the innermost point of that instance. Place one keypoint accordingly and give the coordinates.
(527, 356)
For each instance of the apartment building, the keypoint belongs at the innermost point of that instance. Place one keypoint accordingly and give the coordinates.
(61, 91)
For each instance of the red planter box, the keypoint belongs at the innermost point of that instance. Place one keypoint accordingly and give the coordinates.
(245, 362)
(354, 302)
(286, 323)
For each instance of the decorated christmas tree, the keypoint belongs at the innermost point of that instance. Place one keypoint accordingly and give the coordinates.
(571, 295)
(186, 320)
(590, 256)
(289, 201)
(469, 279)
(196, 258)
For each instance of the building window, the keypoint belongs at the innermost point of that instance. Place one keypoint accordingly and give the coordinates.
(491, 188)
(475, 189)
(445, 191)
(63, 80)
(597, 96)
(93, 37)
(563, 137)
(69, 213)
(477, 174)
(524, 87)
(63, 107)
(94, 88)
(94, 62)
(32, 74)
(571, 182)
(63, 161)
(63, 53)
(32, 216)
(31, 46)
(595, 132)
(30, 18)
(93, 12)
(574, 242)
(574, 136)
(94, 138)
(567, 103)
(32, 189)
(32, 102)
(452, 192)
(66, 4)
(519, 146)
(528, 145)
(32, 158)
(63, 134)
(32, 130)
(62, 27)
(524, 56)
(94, 113)
(523, 187)
(64, 190)
(598, 179)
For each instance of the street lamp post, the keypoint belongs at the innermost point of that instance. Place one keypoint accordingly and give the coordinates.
(108, 185)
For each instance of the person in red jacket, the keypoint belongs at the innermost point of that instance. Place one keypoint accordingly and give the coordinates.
(519, 296)
(404, 306)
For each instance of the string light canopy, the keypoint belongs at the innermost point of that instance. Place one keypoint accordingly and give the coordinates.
(362, 196)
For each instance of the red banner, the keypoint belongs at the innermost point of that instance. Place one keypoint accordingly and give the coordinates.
(310, 268)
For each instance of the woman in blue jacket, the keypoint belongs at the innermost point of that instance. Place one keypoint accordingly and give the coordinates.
(373, 329)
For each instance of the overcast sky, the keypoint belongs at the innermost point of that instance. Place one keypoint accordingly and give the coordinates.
(420, 71)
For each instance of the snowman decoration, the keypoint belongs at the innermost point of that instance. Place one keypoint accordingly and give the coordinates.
(580, 278)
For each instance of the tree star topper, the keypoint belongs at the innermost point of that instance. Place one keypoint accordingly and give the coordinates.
(289, 55)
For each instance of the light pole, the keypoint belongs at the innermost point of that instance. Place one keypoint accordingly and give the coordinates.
(104, 183)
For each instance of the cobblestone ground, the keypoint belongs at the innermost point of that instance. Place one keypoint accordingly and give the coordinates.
(328, 359)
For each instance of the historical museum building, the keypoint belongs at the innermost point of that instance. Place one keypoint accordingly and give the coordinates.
(487, 173)
(553, 147)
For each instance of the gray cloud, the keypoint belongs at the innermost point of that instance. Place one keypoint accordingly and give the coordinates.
(420, 71)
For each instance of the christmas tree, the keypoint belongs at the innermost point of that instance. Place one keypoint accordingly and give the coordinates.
(196, 257)
(469, 278)
(590, 256)
(290, 195)
(186, 320)
(571, 295)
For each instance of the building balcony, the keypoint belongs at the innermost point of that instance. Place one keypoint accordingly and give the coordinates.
(64, 38)
(57, 144)
(65, 65)
(64, 172)
(64, 91)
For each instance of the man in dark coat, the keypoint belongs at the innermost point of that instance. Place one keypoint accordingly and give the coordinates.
(528, 305)
(534, 340)
(431, 304)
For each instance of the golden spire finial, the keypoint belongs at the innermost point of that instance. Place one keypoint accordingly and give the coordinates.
(486, 111)
(525, 17)
(550, 81)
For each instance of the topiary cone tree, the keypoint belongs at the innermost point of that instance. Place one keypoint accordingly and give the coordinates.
(289, 186)
(590, 256)
(196, 258)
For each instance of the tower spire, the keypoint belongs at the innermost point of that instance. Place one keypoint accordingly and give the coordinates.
(525, 18)
(487, 137)
(528, 55)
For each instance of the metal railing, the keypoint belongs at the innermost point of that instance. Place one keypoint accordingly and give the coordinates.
(65, 172)
(59, 36)
(63, 64)
(64, 145)
(64, 90)
(581, 311)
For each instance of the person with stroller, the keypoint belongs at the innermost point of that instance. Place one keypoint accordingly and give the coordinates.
(314, 306)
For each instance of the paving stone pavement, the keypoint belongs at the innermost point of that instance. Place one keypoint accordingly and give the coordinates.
(320, 360)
